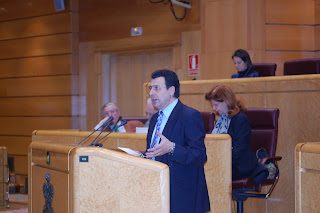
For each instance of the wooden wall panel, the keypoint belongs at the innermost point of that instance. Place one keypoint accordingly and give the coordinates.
(16, 145)
(36, 46)
(36, 26)
(24, 126)
(117, 18)
(39, 86)
(39, 66)
(21, 164)
(38, 106)
(279, 57)
(216, 36)
(297, 38)
(15, 9)
(291, 11)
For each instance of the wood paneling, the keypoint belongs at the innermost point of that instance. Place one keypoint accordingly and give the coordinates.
(15, 9)
(39, 86)
(39, 106)
(37, 46)
(217, 37)
(291, 11)
(297, 38)
(16, 145)
(39, 66)
(21, 164)
(24, 126)
(37, 26)
(117, 18)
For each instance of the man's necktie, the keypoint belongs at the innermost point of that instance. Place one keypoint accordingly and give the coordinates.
(116, 129)
(156, 136)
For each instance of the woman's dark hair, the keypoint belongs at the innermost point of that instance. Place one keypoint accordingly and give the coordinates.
(222, 93)
(244, 55)
(171, 80)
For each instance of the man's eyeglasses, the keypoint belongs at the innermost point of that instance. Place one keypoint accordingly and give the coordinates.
(111, 112)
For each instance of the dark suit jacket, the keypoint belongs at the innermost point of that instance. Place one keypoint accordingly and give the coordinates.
(246, 74)
(244, 161)
(188, 187)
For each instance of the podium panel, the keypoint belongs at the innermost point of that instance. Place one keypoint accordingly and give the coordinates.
(93, 179)
(307, 177)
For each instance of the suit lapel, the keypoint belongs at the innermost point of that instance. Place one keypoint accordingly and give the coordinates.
(168, 129)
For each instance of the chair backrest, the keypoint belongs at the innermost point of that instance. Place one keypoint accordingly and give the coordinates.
(265, 69)
(137, 118)
(264, 128)
(208, 121)
(302, 66)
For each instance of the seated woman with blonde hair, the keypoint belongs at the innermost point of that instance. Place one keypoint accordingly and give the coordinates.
(234, 121)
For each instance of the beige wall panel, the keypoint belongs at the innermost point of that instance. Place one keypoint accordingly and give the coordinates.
(290, 11)
(36, 26)
(14, 9)
(223, 20)
(290, 37)
(153, 18)
(16, 145)
(39, 66)
(39, 106)
(37, 46)
(310, 160)
(38, 86)
(26, 125)
(303, 126)
(194, 101)
(129, 95)
(20, 164)
(253, 100)
(155, 61)
(256, 20)
(279, 57)
(217, 65)
(191, 45)
(317, 37)
(310, 191)
(309, 85)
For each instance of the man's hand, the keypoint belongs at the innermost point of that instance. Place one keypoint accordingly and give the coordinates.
(164, 147)
(101, 123)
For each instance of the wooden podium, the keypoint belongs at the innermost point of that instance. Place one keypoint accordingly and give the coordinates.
(72, 178)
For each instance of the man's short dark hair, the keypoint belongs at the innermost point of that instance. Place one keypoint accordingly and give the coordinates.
(171, 79)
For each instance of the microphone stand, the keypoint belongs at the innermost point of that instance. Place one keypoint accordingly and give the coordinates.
(99, 144)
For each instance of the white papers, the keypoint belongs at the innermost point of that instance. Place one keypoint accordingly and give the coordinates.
(142, 130)
(130, 151)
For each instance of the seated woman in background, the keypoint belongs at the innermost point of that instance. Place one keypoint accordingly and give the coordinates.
(234, 121)
(243, 64)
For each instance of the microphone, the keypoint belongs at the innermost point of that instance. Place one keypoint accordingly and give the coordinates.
(92, 143)
(113, 129)
(105, 123)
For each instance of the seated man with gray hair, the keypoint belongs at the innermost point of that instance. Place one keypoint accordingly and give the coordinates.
(110, 109)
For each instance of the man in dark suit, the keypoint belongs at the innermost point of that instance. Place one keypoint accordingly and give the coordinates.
(176, 137)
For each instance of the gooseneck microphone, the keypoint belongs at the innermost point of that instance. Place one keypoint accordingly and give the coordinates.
(92, 143)
(113, 129)
(105, 124)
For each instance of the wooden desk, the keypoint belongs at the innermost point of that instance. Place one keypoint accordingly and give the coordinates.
(217, 168)
(307, 177)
